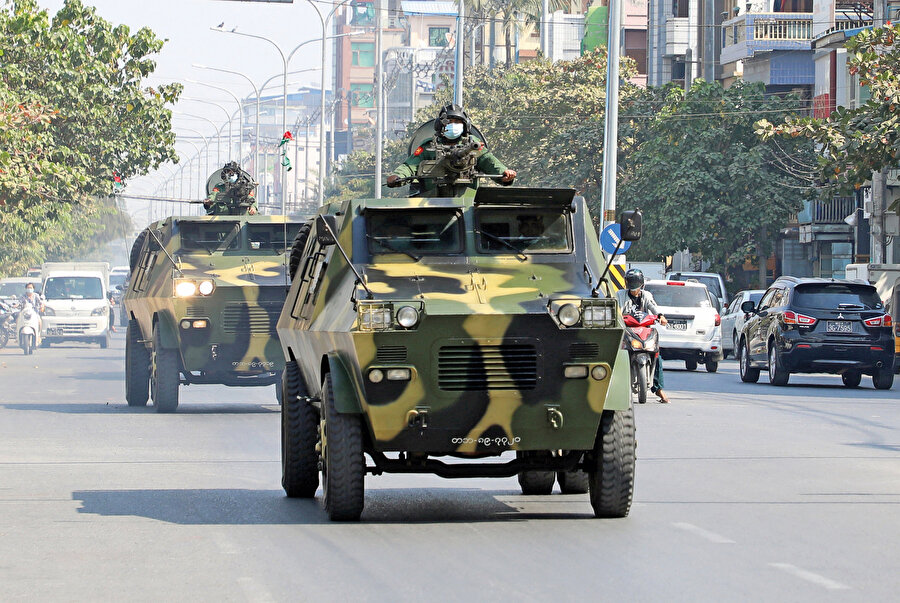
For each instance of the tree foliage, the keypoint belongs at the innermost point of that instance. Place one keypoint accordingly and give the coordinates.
(74, 116)
(856, 142)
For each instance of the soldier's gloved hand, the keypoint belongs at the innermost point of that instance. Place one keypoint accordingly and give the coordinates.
(252, 211)
(508, 176)
(393, 180)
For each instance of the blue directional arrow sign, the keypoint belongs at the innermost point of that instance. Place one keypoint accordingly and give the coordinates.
(609, 238)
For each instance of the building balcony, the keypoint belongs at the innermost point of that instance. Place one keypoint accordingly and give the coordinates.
(677, 34)
(824, 220)
(750, 33)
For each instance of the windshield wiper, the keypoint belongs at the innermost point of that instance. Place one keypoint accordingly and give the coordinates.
(503, 242)
(391, 247)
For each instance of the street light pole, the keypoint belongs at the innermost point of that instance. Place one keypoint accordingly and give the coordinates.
(215, 128)
(228, 115)
(240, 115)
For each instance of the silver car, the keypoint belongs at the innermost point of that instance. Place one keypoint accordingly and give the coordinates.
(733, 319)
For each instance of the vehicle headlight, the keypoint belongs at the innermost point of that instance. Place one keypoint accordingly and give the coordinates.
(185, 288)
(407, 317)
(101, 311)
(375, 317)
(597, 315)
(569, 315)
(206, 287)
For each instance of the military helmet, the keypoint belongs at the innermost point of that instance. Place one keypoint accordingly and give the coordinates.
(448, 111)
(634, 279)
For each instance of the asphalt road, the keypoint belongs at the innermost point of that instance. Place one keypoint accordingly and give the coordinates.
(744, 492)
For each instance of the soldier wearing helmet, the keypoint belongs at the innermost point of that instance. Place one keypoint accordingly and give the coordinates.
(234, 195)
(633, 299)
(452, 129)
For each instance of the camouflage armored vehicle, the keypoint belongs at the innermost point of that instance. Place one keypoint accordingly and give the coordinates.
(202, 302)
(456, 327)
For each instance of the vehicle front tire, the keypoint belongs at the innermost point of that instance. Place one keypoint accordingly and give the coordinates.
(299, 436)
(851, 378)
(640, 383)
(27, 344)
(343, 468)
(103, 340)
(778, 375)
(164, 375)
(137, 367)
(690, 365)
(749, 374)
(883, 378)
(611, 477)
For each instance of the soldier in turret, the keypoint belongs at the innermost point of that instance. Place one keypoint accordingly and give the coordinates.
(461, 158)
(234, 195)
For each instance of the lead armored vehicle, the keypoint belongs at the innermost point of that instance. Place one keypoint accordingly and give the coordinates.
(202, 303)
(469, 327)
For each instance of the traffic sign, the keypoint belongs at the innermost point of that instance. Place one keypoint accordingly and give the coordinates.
(609, 238)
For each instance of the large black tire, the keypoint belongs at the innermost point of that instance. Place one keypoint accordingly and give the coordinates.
(690, 365)
(535, 482)
(749, 374)
(712, 366)
(573, 482)
(883, 378)
(612, 466)
(778, 375)
(164, 375)
(299, 436)
(344, 467)
(297, 248)
(136, 249)
(137, 367)
(851, 378)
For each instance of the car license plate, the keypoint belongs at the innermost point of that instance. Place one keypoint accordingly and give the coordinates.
(678, 325)
(839, 326)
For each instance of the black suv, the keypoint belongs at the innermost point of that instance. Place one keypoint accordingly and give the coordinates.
(817, 325)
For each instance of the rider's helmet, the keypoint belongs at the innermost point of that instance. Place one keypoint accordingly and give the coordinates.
(231, 171)
(448, 111)
(634, 279)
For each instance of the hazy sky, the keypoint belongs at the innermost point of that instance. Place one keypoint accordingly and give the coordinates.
(186, 23)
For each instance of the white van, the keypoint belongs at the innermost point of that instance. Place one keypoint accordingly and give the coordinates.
(76, 306)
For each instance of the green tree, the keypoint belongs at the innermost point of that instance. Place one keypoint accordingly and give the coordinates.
(74, 115)
(855, 142)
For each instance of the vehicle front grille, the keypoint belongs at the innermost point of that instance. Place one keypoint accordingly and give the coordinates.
(391, 353)
(72, 328)
(487, 367)
(195, 311)
(250, 319)
(583, 351)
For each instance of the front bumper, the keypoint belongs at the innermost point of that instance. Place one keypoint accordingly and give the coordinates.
(73, 327)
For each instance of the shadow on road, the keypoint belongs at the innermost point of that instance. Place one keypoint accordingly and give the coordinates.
(96, 376)
(122, 407)
(264, 507)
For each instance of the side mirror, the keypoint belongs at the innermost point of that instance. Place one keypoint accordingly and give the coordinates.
(748, 307)
(326, 230)
(630, 224)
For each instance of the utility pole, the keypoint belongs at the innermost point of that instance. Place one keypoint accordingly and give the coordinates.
(611, 124)
(688, 70)
(545, 26)
(379, 99)
(458, 71)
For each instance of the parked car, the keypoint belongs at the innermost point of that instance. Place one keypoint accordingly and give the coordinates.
(814, 325)
(734, 317)
(713, 281)
(694, 333)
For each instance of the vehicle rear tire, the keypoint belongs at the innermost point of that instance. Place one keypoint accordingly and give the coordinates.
(137, 367)
(343, 465)
(573, 482)
(297, 248)
(712, 366)
(611, 477)
(778, 375)
(851, 378)
(883, 378)
(690, 365)
(749, 374)
(164, 375)
(299, 436)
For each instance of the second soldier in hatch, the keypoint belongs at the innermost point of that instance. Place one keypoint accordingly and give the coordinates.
(448, 163)
(233, 195)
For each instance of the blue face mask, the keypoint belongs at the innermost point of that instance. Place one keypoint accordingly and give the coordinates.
(452, 131)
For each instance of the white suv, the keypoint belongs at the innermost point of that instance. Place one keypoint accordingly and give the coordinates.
(694, 333)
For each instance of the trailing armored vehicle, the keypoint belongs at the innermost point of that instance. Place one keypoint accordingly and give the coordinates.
(202, 303)
(456, 327)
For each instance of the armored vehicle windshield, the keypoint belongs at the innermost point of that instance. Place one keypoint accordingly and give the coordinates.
(423, 231)
(529, 229)
(222, 236)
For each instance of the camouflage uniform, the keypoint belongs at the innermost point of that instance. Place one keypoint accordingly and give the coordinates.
(225, 200)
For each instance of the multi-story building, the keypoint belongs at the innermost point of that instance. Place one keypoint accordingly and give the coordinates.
(634, 32)
(682, 41)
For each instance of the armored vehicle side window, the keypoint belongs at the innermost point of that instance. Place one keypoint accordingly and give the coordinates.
(271, 237)
(414, 231)
(211, 236)
(532, 230)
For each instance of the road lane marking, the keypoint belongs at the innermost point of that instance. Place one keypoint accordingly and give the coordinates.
(706, 534)
(810, 576)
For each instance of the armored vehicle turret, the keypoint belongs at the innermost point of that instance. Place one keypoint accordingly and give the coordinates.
(202, 302)
(464, 327)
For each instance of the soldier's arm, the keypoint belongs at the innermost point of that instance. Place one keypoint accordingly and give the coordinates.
(489, 164)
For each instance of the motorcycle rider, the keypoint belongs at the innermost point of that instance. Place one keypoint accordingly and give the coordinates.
(32, 298)
(452, 126)
(633, 299)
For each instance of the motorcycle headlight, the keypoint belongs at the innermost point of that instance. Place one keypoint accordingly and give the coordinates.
(407, 317)
(206, 287)
(185, 288)
(100, 311)
(636, 344)
(569, 315)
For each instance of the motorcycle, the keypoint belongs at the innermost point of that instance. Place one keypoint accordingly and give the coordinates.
(7, 323)
(28, 328)
(642, 342)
